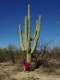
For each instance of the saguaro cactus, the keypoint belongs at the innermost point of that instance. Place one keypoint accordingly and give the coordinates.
(25, 39)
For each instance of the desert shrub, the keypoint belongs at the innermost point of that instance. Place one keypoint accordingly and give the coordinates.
(7, 54)
(3, 55)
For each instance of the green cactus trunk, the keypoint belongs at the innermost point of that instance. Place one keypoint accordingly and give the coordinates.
(28, 35)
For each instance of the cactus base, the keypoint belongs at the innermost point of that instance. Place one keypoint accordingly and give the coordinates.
(28, 58)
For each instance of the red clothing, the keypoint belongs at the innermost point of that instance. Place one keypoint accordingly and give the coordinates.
(26, 66)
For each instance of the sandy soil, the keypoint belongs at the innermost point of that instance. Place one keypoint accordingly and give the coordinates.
(9, 71)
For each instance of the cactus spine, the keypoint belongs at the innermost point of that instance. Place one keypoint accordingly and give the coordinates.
(25, 45)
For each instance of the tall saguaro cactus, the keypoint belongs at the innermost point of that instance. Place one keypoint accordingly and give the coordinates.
(25, 39)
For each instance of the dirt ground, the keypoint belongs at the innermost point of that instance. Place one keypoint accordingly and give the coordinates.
(8, 71)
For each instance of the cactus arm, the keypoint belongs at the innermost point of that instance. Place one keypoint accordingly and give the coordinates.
(21, 39)
(36, 36)
(25, 36)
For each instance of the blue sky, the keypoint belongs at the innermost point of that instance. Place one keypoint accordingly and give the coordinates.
(12, 12)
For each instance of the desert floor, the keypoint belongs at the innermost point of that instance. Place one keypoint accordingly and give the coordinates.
(9, 71)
